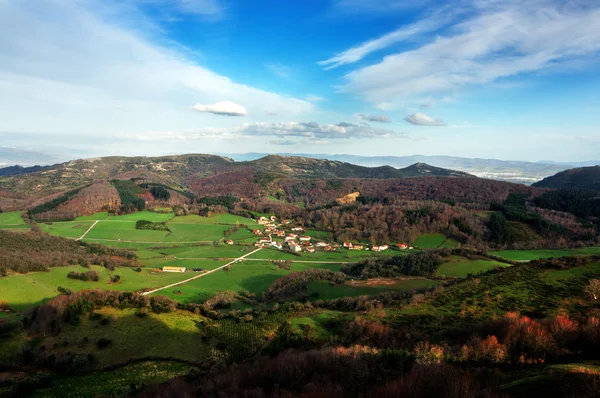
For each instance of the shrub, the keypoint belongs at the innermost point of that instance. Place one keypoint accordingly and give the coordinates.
(487, 350)
(103, 343)
(524, 336)
(428, 354)
(115, 278)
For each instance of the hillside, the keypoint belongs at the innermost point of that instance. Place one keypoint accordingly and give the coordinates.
(579, 178)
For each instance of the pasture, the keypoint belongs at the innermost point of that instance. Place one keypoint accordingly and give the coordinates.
(22, 291)
(115, 382)
(66, 229)
(528, 255)
(323, 290)
(461, 267)
(429, 241)
(12, 220)
(253, 276)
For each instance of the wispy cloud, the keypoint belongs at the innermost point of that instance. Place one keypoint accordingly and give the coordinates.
(314, 98)
(498, 39)
(86, 71)
(376, 6)
(283, 131)
(375, 118)
(355, 54)
(283, 142)
(421, 119)
(206, 8)
(225, 108)
(279, 70)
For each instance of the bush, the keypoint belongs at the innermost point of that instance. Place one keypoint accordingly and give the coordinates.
(84, 276)
(428, 354)
(115, 278)
(103, 343)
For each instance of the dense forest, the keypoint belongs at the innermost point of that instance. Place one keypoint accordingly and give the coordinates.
(33, 251)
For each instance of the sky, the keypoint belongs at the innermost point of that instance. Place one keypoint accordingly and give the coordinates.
(503, 79)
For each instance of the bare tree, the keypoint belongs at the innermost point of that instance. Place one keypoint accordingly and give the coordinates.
(592, 290)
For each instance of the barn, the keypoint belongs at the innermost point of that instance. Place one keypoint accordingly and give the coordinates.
(173, 269)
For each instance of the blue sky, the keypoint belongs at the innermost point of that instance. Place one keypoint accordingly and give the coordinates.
(474, 78)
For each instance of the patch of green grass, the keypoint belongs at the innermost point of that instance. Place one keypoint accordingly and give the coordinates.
(176, 334)
(429, 241)
(461, 267)
(254, 276)
(11, 218)
(221, 218)
(527, 255)
(450, 243)
(325, 291)
(320, 322)
(22, 291)
(66, 229)
(116, 382)
(96, 216)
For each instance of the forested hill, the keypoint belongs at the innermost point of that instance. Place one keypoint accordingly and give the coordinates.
(579, 178)
(187, 170)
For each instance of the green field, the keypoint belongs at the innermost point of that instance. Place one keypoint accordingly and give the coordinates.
(115, 382)
(11, 218)
(142, 215)
(429, 241)
(22, 291)
(253, 276)
(324, 291)
(461, 267)
(225, 218)
(178, 332)
(528, 255)
(66, 229)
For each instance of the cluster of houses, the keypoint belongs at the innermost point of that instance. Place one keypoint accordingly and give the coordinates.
(400, 246)
(297, 242)
(294, 239)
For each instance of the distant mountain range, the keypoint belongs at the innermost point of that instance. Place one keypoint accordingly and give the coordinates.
(579, 178)
(504, 170)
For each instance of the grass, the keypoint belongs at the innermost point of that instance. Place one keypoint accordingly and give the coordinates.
(320, 322)
(324, 291)
(67, 229)
(528, 255)
(22, 291)
(253, 276)
(175, 334)
(224, 218)
(115, 382)
(429, 241)
(11, 218)
(142, 215)
(461, 267)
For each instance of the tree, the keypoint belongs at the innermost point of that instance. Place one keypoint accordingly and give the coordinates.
(592, 290)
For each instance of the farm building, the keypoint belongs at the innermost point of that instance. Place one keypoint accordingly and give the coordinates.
(304, 238)
(321, 244)
(173, 269)
(347, 245)
(402, 246)
(257, 232)
(229, 242)
(295, 247)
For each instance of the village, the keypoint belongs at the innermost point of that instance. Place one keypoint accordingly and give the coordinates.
(296, 242)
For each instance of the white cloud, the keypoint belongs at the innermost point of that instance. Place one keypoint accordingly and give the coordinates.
(421, 119)
(375, 118)
(283, 142)
(279, 70)
(226, 108)
(355, 54)
(283, 130)
(210, 8)
(87, 71)
(314, 98)
(500, 39)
